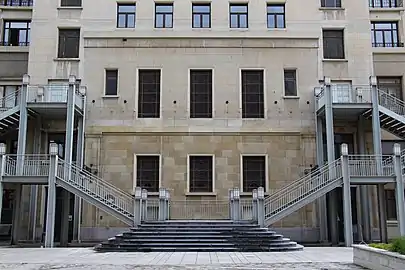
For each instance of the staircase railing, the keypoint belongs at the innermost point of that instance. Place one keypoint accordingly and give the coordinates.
(97, 188)
(391, 103)
(9, 101)
(303, 187)
(32, 165)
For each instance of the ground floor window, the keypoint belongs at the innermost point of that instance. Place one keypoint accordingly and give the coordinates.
(201, 173)
(254, 173)
(148, 172)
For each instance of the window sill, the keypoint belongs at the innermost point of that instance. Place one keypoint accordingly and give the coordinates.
(67, 59)
(277, 29)
(239, 29)
(291, 97)
(21, 8)
(70, 8)
(393, 9)
(335, 60)
(331, 8)
(201, 194)
(110, 96)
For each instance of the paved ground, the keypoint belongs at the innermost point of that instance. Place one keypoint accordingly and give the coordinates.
(323, 258)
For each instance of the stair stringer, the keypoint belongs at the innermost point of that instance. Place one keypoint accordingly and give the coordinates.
(303, 202)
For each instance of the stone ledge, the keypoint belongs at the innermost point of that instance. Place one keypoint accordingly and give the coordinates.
(377, 259)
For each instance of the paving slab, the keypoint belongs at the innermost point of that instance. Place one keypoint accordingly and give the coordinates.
(86, 259)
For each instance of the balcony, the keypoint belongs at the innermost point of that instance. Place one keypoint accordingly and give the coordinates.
(386, 3)
(388, 45)
(14, 44)
(16, 3)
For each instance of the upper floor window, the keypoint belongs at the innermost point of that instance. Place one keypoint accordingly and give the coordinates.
(238, 15)
(126, 14)
(69, 41)
(111, 82)
(149, 93)
(275, 16)
(164, 15)
(16, 33)
(252, 94)
(331, 3)
(333, 44)
(391, 86)
(386, 3)
(200, 93)
(290, 83)
(385, 34)
(202, 15)
(16, 3)
(71, 3)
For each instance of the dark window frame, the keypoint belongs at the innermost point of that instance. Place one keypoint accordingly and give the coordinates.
(111, 82)
(126, 14)
(154, 98)
(250, 109)
(154, 171)
(333, 43)
(249, 181)
(385, 3)
(196, 176)
(71, 3)
(201, 15)
(63, 48)
(392, 31)
(7, 33)
(164, 14)
(198, 108)
(238, 15)
(16, 3)
(331, 3)
(384, 84)
(290, 81)
(275, 16)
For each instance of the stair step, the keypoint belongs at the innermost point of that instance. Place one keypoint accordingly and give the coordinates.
(176, 240)
(168, 249)
(178, 236)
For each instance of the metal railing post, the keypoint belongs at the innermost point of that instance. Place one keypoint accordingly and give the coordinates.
(2, 171)
(231, 210)
(260, 207)
(347, 205)
(167, 201)
(137, 206)
(162, 199)
(144, 205)
(51, 200)
(236, 204)
(254, 205)
(399, 189)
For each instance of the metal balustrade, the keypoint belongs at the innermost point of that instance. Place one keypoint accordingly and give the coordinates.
(370, 165)
(199, 209)
(391, 103)
(9, 101)
(16, 3)
(152, 210)
(246, 209)
(347, 94)
(53, 93)
(32, 165)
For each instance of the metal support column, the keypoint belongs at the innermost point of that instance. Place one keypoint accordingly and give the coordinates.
(167, 205)
(2, 168)
(260, 207)
(399, 188)
(321, 202)
(236, 204)
(231, 206)
(378, 152)
(330, 142)
(15, 234)
(364, 206)
(137, 206)
(144, 205)
(347, 201)
(162, 198)
(22, 125)
(51, 201)
(254, 205)
(64, 231)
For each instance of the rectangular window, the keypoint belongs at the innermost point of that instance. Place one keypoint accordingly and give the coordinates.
(69, 41)
(16, 33)
(254, 173)
(148, 172)
(238, 15)
(164, 15)
(331, 3)
(126, 15)
(200, 174)
(16, 3)
(275, 16)
(386, 3)
(71, 3)
(290, 83)
(333, 44)
(385, 34)
(252, 94)
(391, 206)
(111, 82)
(202, 15)
(391, 86)
(200, 93)
(149, 94)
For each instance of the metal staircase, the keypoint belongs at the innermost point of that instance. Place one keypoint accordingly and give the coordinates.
(392, 114)
(96, 191)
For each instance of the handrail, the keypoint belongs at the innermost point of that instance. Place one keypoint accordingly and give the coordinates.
(10, 101)
(391, 103)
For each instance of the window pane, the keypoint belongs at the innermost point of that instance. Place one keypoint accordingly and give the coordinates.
(238, 8)
(164, 8)
(168, 21)
(126, 8)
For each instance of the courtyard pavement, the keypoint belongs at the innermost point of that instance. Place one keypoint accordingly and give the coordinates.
(319, 258)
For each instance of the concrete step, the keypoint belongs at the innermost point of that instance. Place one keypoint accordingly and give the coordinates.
(176, 240)
(199, 229)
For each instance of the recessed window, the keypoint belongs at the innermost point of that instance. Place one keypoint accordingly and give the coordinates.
(331, 3)
(290, 83)
(386, 3)
(200, 93)
(333, 44)
(391, 86)
(200, 174)
(126, 15)
(111, 82)
(252, 94)
(385, 34)
(202, 15)
(69, 3)
(149, 94)
(275, 16)
(69, 41)
(164, 15)
(254, 173)
(148, 172)
(16, 33)
(238, 15)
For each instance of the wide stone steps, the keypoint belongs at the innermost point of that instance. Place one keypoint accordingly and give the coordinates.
(198, 236)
